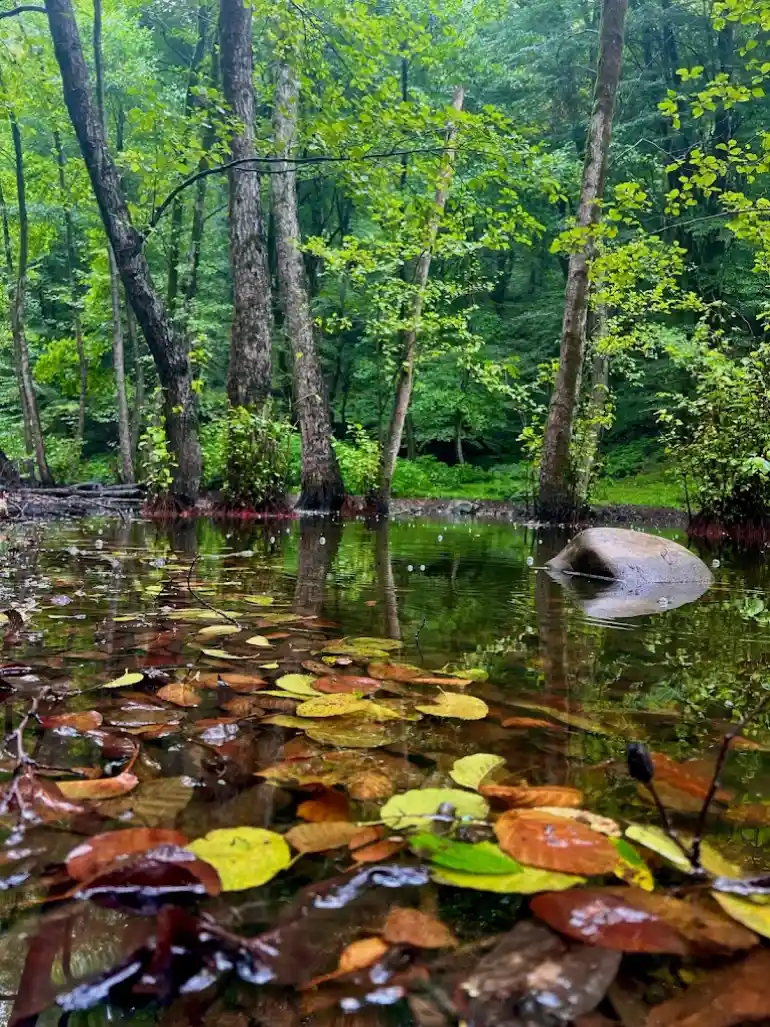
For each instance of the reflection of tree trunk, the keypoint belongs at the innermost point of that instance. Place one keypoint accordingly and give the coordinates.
(387, 584)
(315, 559)
(556, 499)
(554, 648)
(405, 377)
(74, 296)
(321, 480)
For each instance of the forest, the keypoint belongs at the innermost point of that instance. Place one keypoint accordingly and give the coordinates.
(484, 248)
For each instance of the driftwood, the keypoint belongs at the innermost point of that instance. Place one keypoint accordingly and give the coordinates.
(86, 499)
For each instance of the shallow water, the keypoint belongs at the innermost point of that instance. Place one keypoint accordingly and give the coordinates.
(103, 598)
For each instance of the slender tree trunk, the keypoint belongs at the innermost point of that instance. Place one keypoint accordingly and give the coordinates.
(18, 298)
(10, 289)
(74, 292)
(557, 499)
(250, 369)
(459, 455)
(167, 348)
(322, 487)
(136, 356)
(596, 406)
(118, 349)
(405, 377)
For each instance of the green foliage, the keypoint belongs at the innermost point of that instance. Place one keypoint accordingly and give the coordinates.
(257, 470)
(426, 477)
(157, 464)
(359, 461)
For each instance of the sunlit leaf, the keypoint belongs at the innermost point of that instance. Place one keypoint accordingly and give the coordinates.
(554, 843)
(631, 867)
(387, 644)
(459, 707)
(258, 600)
(421, 806)
(215, 630)
(244, 857)
(604, 825)
(656, 839)
(470, 771)
(129, 678)
(527, 881)
(472, 858)
(221, 654)
(360, 954)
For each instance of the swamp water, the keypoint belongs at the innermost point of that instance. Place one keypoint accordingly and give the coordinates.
(302, 678)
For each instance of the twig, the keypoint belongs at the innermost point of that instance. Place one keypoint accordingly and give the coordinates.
(200, 599)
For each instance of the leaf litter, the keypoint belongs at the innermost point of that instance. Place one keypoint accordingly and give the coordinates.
(386, 797)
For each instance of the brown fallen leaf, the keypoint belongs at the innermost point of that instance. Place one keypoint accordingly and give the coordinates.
(330, 806)
(366, 836)
(370, 784)
(441, 682)
(753, 814)
(243, 684)
(526, 796)
(407, 926)
(106, 850)
(393, 671)
(555, 843)
(527, 722)
(44, 798)
(320, 837)
(243, 706)
(180, 694)
(360, 954)
(377, 851)
(346, 684)
(726, 997)
(100, 788)
(87, 720)
(694, 780)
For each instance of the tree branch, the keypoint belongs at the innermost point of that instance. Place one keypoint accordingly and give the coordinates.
(21, 10)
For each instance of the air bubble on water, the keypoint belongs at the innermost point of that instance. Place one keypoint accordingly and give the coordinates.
(530, 561)
(422, 566)
(663, 601)
(322, 540)
(715, 564)
(410, 567)
(441, 538)
(272, 540)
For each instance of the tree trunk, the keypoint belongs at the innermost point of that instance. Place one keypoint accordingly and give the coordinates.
(250, 369)
(557, 499)
(405, 378)
(18, 297)
(167, 348)
(74, 296)
(595, 409)
(10, 287)
(136, 356)
(321, 481)
(118, 350)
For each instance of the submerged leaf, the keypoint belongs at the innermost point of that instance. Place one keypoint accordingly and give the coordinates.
(405, 926)
(105, 850)
(526, 881)
(244, 857)
(87, 720)
(100, 787)
(259, 641)
(461, 707)
(180, 694)
(529, 796)
(331, 806)
(735, 994)
(321, 837)
(420, 807)
(470, 771)
(347, 683)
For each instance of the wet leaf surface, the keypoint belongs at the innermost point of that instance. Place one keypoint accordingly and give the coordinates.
(554, 843)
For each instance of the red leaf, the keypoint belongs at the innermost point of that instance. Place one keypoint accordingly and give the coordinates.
(555, 843)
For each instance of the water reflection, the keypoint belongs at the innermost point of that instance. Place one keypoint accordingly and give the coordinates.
(614, 600)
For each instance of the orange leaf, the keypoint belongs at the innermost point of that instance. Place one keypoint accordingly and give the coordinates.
(695, 780)
(431, 680)
(405, 926)
(88, 720)
(100, 788)
(371, 784)
(330, 806)
(180, 694)
(366, 836)
(555, 843)
(393, 672)
(526, 796)
(377, 850)
(244, 706)
(320, 837)
(105, 850)
(360, 954)
(532, 722)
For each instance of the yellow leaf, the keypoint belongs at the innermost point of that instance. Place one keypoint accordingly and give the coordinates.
(335, 705)
(419, 807)
(258, 640)
(470, 771)
(220, 654)
(213, 630)
(298, 684)
(244, 857)
(657, 840)
(746, 912)
(461, 707)
(527, 881)
(129, 678)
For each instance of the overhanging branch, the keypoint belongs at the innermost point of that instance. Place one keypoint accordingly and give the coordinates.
(21, 10)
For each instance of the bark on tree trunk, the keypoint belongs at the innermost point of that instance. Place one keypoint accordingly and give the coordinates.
(118, 350)
(321, 481)
(557, 496)
(167, 348)
(10, 286)
(597, 403)
(74, 294)
(136, 356)
(250, 369)
(405, 377)
(18, 297)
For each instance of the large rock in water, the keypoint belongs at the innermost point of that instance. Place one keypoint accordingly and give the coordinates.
(631, 574)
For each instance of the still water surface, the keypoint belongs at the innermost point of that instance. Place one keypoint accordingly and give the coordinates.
(102, 598)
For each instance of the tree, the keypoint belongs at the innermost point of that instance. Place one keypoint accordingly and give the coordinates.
(321, 482)
(249, 374)
(167, 348)
(556, 499)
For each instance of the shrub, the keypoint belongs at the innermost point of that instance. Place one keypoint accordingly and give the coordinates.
(156, 462)
(258, 459)
(359, 461)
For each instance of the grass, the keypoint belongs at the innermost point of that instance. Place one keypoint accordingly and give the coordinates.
(646, 488)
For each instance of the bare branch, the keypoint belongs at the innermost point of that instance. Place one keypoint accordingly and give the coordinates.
(22, 9)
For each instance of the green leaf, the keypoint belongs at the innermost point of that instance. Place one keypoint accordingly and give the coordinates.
(244, 857)
(299, 684)
(657, 840)
(259, 600)
(221, 654)
(385, 644)
(470, 771)
(631, 867)
(478, 858)
(129, 678)
(750, 914)
(527, 881)
(418, 808)
(258, 640)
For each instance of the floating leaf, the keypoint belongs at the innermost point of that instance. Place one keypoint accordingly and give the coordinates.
(129, 678)
(298, 684)
(604, 825)
(378, 850)
(393, 671)
(285, 720)
(751, 914)
(735, 994)
(331, 806)
(631, 867)
(419, 807)
(358, 653)
(332, 706)
(348, 733)
(387, 644)
(321, 837)
(527, 881)
(528, 796)
(180, 694)
(349, 683)
(215, 630)
(461, 707)
(370, 784)
(244, 857)
(104, 850)
(258, 600)
(100, 787)
(476, 858)
(360, 954)
(554, 843)
(259, 641)
(470, 771)
(657, 840)
(405, 926)
(87, 720)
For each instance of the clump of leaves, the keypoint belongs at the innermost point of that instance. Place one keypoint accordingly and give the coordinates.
(258, 459)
